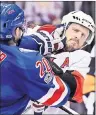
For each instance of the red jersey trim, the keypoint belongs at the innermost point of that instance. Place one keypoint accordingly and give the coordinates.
(57, 94)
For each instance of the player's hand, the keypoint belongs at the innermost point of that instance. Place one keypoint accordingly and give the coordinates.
(59, 40)
(45, 41)
(57, 34)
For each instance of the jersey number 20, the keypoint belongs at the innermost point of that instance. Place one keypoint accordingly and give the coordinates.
(44, 67)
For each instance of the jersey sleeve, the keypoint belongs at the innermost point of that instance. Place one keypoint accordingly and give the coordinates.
(28, 42)
(39, 83)
(80, 67)
(39, 41)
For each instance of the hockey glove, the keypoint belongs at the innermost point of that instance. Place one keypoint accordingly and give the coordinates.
(44, 40)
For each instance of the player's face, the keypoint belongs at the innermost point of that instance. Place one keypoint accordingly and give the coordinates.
(76, 36)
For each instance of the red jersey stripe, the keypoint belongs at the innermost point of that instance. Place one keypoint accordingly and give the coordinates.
(49, 28)
(57, 94)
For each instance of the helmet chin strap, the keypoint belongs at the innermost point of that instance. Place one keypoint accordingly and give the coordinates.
(83, 46)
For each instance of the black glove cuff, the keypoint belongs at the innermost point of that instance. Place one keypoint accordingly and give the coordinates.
(68, 78)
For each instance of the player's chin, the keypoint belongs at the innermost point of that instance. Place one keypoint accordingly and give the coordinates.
(71, 48)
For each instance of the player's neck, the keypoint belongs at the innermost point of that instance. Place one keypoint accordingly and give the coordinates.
(8, 42)
(11, 43)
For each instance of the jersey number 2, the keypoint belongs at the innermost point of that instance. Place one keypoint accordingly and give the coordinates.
(44, 67)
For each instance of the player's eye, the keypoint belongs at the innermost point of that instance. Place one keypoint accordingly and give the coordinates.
(75, 30)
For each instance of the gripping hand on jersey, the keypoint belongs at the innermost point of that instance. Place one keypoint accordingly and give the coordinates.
(44, 40)
(50, 42)
(59, 40)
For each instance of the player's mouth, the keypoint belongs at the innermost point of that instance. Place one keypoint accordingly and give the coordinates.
(74, 42)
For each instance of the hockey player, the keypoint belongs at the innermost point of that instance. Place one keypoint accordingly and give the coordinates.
(75, 32)
(27, 75)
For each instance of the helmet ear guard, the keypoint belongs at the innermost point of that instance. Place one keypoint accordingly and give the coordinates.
(83, 19)
(88, 41)
(22, 27)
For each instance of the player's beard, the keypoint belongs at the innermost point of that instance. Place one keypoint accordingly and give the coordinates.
(70, 48)
(72, 45)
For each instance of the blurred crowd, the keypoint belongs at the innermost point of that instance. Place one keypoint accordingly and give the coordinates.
(51, 13)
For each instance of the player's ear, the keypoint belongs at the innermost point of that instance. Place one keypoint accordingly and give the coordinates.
(18, 33)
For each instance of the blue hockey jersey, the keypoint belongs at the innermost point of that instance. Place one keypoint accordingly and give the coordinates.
(26, 75)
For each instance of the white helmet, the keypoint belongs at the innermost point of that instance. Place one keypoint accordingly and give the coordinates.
(81, 18)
